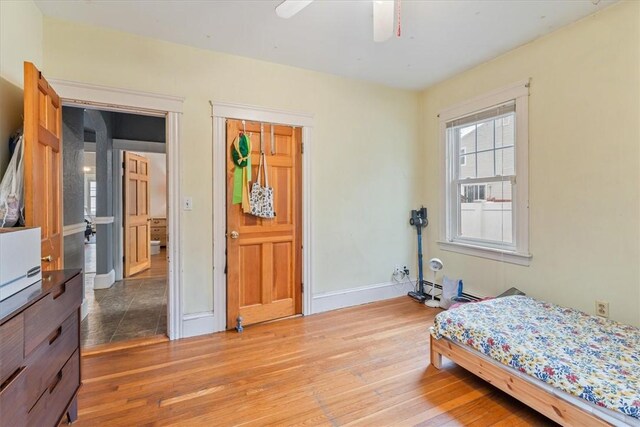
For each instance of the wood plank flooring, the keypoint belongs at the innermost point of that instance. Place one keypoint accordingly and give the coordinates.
(361, 366)
(158, 266)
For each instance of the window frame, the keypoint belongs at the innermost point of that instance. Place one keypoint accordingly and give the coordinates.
(518, 252)
(93, 206)
(463, 156)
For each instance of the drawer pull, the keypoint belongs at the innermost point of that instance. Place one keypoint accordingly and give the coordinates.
(55, 382)
(55, 335)
(34, 271)
(11, 379)
(63, 288)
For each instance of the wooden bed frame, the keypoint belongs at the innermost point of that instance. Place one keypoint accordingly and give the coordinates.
(537, 398)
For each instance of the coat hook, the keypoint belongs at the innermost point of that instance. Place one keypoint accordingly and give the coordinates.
(273, 140)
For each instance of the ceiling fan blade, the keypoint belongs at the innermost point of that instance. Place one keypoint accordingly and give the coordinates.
(383, 12)
(288, 8)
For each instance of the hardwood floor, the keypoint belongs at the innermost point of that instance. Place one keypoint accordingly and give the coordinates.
(158, 266)
(361, 366)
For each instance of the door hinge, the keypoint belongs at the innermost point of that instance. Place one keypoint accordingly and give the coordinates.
(302, 287)
(302, 148)
(122, 259)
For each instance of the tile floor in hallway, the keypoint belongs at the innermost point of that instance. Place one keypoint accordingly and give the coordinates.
(130, 309)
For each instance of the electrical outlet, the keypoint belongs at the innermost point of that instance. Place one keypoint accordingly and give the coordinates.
(400, 272)
(602, 309)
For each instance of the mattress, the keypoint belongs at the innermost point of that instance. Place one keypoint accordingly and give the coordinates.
(592, 359)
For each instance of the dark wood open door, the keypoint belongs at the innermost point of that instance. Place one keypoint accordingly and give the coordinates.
(43, 164)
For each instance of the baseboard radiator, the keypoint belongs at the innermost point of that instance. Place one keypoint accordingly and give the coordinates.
(428, 285)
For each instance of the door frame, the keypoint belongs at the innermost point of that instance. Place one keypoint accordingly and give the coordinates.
(83, 95)
(220, 112)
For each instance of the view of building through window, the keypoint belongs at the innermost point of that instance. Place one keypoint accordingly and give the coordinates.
(92, 197)
(487, 159)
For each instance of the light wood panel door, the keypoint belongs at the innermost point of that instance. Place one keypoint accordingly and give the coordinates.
(136, 219)
(264, 258)
(43, 164)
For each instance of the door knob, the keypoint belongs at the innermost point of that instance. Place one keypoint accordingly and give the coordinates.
(235, 234)
(48, 258)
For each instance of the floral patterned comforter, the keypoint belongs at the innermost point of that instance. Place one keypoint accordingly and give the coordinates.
(595, 359)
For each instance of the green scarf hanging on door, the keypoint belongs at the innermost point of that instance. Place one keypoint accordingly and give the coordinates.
(241, 155)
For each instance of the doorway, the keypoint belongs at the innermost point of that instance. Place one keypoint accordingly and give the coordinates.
(125, 203)
(220, 113)
(89, 96)
(264, 249)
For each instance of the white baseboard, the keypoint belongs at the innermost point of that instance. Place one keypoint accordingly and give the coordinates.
(204, 323)
(334, 300)
(104, 281)
(198, 324)
(84, 309)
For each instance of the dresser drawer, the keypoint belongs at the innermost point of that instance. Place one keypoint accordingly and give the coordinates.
(50, 356)
(156, 222)
(13, 404)
(158, 230)
(11, 347)
(49, 409)
(45, 316)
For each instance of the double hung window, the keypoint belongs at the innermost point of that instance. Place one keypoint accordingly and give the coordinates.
(486, 200)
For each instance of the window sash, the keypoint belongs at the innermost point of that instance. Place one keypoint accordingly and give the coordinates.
(455, 183)
(456, 223)
(453, 134)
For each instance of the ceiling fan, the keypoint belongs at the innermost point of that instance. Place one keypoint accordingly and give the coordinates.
(383, 15)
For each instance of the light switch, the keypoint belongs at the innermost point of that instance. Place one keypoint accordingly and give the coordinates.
(187, 204)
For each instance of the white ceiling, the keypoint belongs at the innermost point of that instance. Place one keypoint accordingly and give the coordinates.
(439, 38)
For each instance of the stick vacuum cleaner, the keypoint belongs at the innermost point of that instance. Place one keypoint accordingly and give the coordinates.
(419, 220)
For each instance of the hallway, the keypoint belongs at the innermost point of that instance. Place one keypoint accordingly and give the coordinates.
(131, 308)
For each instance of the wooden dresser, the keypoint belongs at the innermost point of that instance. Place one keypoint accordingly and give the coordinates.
(159, 230)
(40, 351)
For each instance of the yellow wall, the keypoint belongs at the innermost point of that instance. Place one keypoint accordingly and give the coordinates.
(364, 178)
(20, 40)
(584, 153)
(584, 157)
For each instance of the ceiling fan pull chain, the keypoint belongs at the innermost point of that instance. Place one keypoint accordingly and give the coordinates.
(399, 8)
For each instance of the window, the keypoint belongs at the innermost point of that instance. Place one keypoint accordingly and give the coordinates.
(486, 185)
(92, 197)
(473, 193)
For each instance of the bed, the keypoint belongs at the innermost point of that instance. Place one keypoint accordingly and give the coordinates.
(574, 368)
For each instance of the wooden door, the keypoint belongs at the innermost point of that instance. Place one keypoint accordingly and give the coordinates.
(264, 258)
(43, 164)
(135, 209)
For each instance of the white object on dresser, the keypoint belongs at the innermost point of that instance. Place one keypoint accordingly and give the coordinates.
(20, 255)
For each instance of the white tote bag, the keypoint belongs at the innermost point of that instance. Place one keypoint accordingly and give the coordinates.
(261, 198)
(12, 188)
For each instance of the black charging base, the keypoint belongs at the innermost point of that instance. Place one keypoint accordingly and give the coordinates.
(417, 296)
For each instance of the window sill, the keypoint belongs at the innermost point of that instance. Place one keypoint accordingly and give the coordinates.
(489, 253)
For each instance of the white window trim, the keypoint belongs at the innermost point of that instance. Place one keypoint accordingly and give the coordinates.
(520, 255)
(93, 208)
